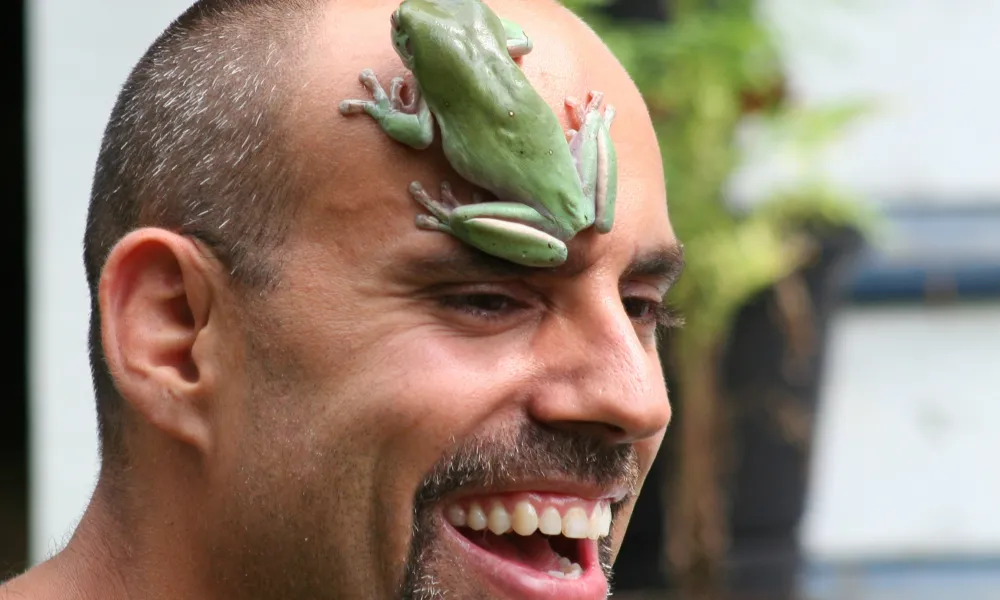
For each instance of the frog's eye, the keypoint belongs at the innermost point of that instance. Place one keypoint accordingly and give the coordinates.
(394, 20)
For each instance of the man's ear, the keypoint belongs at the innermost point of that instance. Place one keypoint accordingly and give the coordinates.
(156, 296)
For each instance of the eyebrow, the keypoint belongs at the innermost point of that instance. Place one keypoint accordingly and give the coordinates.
(463, 262)
(665, 263)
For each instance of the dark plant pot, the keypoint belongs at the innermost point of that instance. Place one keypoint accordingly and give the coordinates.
(639, 10)
(770, 405)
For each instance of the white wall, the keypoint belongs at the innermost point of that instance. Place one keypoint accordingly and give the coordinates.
(80, 52)
(907, 444)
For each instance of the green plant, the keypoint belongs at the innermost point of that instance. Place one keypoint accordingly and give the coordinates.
(710, 72)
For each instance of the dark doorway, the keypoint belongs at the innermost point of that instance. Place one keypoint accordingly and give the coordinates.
(13, 256)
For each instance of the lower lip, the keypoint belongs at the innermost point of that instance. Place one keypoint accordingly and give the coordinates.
(517, 581)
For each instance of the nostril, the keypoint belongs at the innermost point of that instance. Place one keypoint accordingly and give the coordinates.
(596, 429)
(611, 431)
(615, 430)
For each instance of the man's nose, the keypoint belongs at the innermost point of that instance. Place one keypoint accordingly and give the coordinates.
(599, 377)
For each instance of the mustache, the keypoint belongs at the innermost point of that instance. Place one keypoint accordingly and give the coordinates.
(530, 452)
(507, 457)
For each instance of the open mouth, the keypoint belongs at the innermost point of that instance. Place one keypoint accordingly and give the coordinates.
(554, 555)
(552, 536)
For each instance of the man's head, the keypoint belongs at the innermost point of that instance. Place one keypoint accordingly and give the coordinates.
(307, 395)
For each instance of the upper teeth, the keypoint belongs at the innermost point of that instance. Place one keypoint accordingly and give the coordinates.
(527, 517)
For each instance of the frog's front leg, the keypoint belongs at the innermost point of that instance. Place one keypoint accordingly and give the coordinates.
(518, 42)
(596, 160)
(410, 123)
(508, 230)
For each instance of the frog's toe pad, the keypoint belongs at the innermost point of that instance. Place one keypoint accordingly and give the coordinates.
(431, 224)
(594, 99)
(352, 107)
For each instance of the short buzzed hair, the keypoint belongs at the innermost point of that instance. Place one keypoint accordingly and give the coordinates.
(197, 144)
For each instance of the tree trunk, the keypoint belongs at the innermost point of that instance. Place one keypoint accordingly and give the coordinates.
(696, 547)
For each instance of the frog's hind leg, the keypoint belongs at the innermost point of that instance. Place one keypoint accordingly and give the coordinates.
(518, 42)
(509, 230)
(596, 161)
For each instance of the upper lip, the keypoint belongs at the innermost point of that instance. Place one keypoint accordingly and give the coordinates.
(565, 487)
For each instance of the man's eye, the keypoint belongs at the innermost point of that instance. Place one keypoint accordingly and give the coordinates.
(481, 305)
(651, 312)
(640, 309)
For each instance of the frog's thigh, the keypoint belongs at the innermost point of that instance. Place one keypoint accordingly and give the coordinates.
(606, 182)
(511, 231)
(516, 242)
(597, 167)
(501, 211)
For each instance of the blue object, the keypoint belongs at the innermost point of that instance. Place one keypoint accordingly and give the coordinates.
(932, 254)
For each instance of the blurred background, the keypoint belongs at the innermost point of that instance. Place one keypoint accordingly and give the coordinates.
(834, 171)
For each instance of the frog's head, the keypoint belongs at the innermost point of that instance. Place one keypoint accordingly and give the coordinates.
(402, 35)
(433, 27)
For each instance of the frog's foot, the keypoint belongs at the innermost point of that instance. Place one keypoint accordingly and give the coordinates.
(440, 209)
(407, 121)
(590, 143)
(579, 113)
(382, 103)
(377, 107)
(587, 115)
(448, 198)
(412, 104)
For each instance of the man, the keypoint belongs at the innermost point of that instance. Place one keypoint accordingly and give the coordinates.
(301, 394)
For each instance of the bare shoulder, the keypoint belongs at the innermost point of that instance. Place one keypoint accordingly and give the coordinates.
(16, 589)
(35, 584)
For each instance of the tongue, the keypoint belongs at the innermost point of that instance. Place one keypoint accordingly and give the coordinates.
(532, 551)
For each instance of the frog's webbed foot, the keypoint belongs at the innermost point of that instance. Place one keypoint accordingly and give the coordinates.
(580, 113)
(377, 107)
(597, 164)
(407, 121)
(410, 105)
(440, 209)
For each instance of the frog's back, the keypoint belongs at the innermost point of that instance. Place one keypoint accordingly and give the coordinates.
(519, 156)
(496, 130)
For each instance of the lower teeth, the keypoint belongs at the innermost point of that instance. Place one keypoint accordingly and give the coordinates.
(567, 569)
